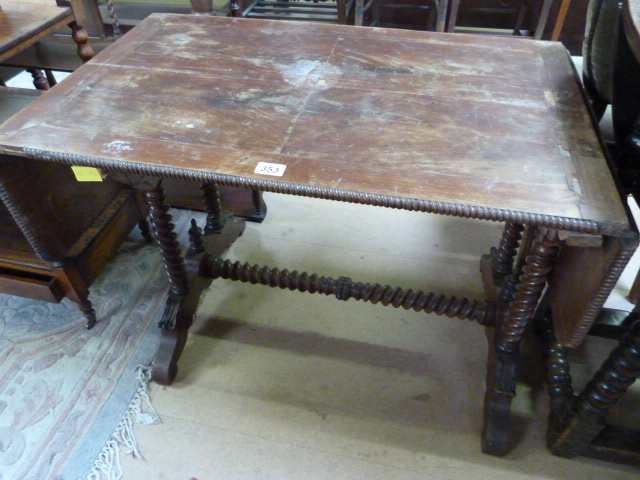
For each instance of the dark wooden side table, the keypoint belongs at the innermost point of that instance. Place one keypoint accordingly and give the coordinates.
(492, 128)
(85, 221)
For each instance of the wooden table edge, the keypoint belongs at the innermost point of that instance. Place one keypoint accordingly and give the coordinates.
(64, 18)
(326, 193)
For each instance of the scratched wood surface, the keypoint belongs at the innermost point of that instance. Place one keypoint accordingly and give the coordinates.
(22, 23)
(469, 120)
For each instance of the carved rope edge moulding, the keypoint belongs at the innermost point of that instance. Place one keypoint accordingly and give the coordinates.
(427, 206)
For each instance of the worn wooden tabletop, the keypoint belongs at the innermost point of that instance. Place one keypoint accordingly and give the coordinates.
(487, 127)
(22, 22)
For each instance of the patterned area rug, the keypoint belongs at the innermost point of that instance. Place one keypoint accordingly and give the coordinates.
(64, 390)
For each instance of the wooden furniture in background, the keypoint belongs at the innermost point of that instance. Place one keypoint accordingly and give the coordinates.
(59, 54)
(86, 223)
(524, 8)
(338, 11)
(24, 23)
(467, 126)
(89, 232)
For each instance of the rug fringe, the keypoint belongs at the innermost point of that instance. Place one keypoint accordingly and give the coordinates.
(108, 466)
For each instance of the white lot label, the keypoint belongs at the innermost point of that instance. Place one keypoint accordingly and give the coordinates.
(274, 169)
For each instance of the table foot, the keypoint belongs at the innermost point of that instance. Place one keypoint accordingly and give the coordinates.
(518, 299)
(221, 230)
(497, 408)
(577, 426)
(90, 315)
(165, 364)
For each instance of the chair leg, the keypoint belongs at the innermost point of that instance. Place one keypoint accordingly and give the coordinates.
(522, 10)
(39, 78)
(542, 19)
(342, 14)
(453, 16)
(441, 21)
(432, 17)
(562, 16)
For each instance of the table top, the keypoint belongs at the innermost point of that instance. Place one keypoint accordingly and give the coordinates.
(21, 22)
(474, 126)
(631, 19)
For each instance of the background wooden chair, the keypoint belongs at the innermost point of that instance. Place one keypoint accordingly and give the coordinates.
(522, 9)
(324, 11)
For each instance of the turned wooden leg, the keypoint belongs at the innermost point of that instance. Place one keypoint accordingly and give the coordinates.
(174, 324)
(187, 285)
(167, 240)
(504, 347)
(114, 19)
(145, 229)
(39, 78)
(609, 384)
(215, 215)
(504, 255)
(559, 382)
(81, 37)
(221, 228)
(78, 290)
(50, 77)
(86, 307)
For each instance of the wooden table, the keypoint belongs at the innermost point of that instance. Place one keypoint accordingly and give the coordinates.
(479, 127)
(579, 424)
(23, 23)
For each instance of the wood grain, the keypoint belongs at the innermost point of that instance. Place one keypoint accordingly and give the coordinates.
(23, 23)
(476, 121)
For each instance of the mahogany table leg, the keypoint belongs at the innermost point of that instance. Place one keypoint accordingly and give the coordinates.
(504, 347)
(174, 325)
(573, 435)
(90, 314)
(503, 256)
(187, 285)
